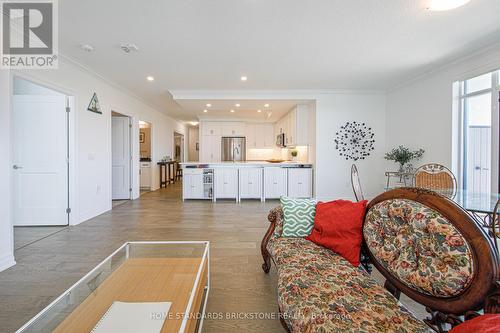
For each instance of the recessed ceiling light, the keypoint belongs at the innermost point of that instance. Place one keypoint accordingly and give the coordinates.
(150, 78)
(259, 111)
(244, 78)
(266, 105)
(209, 105)
(237, 105)
(194, 123)
(205, 111)
(232, 111)
(441, 5)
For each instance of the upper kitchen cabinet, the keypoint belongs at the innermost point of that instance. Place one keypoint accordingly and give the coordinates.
(265, 135)
(211, 128)
(259, 135)
(295, 125)
(250, 134)
(233, 128)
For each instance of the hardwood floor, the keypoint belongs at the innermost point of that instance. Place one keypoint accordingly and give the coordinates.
(49, 266)
(26, 235)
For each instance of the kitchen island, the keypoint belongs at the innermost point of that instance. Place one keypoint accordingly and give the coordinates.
(246, 180)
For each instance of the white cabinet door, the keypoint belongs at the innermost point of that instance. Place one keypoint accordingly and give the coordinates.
(206, 148)
(146, 175)
(226, 183)
(275, 182)
(211, 128)
(192, 186)
(210, 148)
(300, 183)
(250, 183)
(250, 135)
(301, 137)
(216, 148)
(268, 136)
(233, 129)
(292, 127)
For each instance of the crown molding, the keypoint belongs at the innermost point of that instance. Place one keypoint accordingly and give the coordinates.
(455, 62)
(302, 94)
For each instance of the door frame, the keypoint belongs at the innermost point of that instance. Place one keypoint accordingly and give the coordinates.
(71, 139)
(183, 148)
(134, 149)
(460, 98)
(131, 153)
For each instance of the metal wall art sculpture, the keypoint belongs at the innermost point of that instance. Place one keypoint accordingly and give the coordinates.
(354, 141)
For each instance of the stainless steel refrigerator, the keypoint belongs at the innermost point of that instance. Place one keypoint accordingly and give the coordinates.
(233, 149)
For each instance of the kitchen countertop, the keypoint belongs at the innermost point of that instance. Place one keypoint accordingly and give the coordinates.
(244, 164)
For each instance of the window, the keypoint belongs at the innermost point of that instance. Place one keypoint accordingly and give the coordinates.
(477, 98)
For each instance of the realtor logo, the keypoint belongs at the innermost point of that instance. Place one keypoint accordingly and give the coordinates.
(29, 35)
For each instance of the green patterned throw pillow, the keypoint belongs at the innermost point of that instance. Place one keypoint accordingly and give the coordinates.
(298, 216)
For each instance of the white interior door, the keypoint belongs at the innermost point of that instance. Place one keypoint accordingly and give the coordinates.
(120, 158)
(40, 174)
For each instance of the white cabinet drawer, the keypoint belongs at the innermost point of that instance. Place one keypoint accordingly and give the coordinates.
(192, 171)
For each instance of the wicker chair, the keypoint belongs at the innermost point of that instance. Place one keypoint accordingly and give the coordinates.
(436, 177)
(356, 184)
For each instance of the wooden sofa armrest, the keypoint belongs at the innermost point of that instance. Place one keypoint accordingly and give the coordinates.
(272, 217)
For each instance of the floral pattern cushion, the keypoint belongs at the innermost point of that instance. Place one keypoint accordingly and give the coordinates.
(319, 291)
(419, 246)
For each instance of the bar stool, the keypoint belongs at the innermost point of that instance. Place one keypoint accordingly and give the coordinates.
(178, 171)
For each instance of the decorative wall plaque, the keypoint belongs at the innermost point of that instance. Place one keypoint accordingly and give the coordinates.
(354, 141)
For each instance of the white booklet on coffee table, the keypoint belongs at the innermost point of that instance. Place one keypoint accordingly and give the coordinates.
(125, 317)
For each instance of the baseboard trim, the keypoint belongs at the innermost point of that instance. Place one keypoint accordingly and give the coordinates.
(6, 262)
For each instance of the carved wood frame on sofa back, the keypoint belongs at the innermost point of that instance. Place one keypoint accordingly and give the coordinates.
(477, 276)
(413, 232)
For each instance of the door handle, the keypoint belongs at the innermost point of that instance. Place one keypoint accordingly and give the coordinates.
(15, 167)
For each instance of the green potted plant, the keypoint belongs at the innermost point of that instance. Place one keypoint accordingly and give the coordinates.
(294, 154)
(403, 156)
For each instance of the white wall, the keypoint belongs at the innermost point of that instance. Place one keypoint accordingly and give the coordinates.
(333, 172)
(6, 232)
(420, 114)
(92, 144)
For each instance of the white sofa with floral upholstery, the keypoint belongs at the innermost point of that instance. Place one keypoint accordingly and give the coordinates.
(425, 246)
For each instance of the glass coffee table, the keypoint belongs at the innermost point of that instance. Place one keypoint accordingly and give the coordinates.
(137, 272)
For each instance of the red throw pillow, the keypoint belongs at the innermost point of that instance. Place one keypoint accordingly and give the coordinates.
(338, 226)
(488, 323)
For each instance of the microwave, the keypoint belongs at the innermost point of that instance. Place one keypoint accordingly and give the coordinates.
(280, 140)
